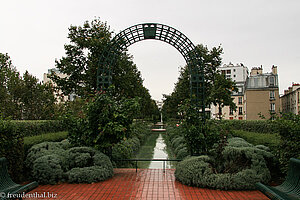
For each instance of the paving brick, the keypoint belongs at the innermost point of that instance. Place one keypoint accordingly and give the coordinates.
(145, 184)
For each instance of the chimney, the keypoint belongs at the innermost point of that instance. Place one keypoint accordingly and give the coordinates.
(274, 69)
(255, 71)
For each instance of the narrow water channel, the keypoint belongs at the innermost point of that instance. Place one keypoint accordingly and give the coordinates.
(160, 152)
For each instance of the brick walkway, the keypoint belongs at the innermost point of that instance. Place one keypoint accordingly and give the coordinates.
(146, 184)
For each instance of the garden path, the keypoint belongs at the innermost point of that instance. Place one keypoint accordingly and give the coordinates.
(145, 184)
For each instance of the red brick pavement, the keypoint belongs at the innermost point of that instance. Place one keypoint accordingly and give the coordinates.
(145, 184)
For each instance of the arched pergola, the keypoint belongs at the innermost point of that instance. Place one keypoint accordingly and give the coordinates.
(163, 33)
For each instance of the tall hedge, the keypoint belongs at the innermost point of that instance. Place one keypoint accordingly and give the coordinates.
(38, 127)
(12, 148)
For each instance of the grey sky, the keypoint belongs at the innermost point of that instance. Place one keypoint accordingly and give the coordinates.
(257, 32)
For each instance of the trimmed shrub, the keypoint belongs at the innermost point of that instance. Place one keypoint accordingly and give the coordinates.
(258, 126)
(52, 162)
(289, 131)
(38, 127)
(47, 137)
(125, 150)
(12, 148)
(240, 167)
(47, 169)
(270, 140)
(88, 174)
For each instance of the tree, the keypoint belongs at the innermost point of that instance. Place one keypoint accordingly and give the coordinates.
(87, 43)
(221, 91)
(38, 99)
(211, 61)
(23, 97)
(10, 89)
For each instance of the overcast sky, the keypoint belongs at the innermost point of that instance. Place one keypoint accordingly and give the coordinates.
(255, 33)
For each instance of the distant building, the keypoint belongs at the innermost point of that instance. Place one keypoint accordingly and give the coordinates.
(262, 94)
(257, 96)
(237, 73)
(60, 97)
(290, 101)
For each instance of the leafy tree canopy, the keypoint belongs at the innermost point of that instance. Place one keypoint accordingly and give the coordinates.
(87, 43)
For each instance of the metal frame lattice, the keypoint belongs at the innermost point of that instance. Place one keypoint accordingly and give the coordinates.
(163, 33)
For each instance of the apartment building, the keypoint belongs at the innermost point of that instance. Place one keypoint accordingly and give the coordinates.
(290, 101)
(262, 94)
(238, 73)
(60, 97)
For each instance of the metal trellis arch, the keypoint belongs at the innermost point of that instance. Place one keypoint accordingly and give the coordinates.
(163, 33)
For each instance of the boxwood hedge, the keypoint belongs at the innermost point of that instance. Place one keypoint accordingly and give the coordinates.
(52, 162)
(239, 167)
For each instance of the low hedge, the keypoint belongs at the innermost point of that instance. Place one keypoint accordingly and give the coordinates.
(53, 162)
(47, 137)
(270, 140)
(258, 126)
(175, 142)
(239, 166)
(127, 148)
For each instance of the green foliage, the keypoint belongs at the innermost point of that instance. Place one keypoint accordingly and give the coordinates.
(211, 60)
(23, 97)
(199, 137)
(47, 169)
(258, 126)
(289, 131)
(270, 140)
(87, 43)
(88, 174)
(107, 122)
(52, 162)
(240, 167)
(47, 137)
(38, 127)
(221, 91)
(125, 150)
(11, 147)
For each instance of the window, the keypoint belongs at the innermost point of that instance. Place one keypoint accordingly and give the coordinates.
(231, 118)
(228, 71)
(233, 70)
(223, 72)
(240, 110)
(228, 76)
(272, 107)
(240, 100)
(240, 90)
(240, 118)
(231, 111)
(234, 75)
(272, 81)
(272, 94)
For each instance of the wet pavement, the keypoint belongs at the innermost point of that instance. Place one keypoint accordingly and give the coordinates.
(145, 184)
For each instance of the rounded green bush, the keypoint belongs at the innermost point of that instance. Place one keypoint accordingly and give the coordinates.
(47, 169)
(88, 174)
(52, 162)
(239, 167)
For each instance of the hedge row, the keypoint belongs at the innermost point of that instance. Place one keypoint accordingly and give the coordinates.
(270, 140)
(126, 149)
(175, 141)
(47, 137)
(38, 127)
(12, 148)
(258, 126)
